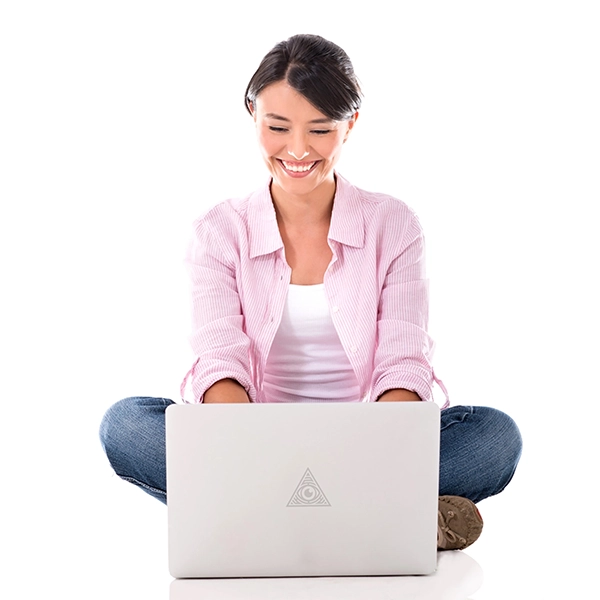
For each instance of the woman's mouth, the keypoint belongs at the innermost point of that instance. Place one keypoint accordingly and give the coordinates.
(297, 169)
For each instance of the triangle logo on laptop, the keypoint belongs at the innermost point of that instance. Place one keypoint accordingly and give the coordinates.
(308, 493)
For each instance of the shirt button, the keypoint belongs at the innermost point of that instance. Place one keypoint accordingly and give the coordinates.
(353, 349)
(336, 309)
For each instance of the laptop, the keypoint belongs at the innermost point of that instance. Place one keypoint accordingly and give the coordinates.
(303, 489)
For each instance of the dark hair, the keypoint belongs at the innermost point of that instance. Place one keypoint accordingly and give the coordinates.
(315, 68)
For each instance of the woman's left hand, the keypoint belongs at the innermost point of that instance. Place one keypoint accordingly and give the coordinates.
(399, 396)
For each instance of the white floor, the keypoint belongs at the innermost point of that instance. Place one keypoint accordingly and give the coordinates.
(457, 576)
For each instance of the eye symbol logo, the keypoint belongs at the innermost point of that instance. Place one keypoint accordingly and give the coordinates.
(308, 493)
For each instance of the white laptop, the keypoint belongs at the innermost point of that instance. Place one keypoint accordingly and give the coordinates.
(307, 489)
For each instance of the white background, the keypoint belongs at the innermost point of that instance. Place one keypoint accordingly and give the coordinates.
(120, 122)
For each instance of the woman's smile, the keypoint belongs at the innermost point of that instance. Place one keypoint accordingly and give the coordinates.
(297, 169)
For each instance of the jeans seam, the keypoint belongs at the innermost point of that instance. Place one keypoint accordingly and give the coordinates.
(142, 484)
(468, 411)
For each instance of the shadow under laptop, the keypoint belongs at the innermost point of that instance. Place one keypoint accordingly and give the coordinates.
(457, 577)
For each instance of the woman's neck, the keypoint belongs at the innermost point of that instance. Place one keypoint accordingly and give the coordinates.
(310, 209)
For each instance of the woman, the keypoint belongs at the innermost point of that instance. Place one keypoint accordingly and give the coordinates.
(312, 290)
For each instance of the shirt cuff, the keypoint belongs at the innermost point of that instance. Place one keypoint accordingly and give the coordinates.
(406, 381)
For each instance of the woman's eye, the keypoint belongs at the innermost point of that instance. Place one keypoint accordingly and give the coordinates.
(321, 131)
(277, 129)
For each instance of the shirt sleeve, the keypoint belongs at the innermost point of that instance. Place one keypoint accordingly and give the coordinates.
(218, 338)
(404, 349)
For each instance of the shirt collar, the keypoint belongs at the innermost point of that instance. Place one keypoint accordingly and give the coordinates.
(263, 232)
(347, 219)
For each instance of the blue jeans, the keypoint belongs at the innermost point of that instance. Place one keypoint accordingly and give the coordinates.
(480, 447)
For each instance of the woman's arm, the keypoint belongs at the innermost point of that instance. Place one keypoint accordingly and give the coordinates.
(218, 338)
(402, 365)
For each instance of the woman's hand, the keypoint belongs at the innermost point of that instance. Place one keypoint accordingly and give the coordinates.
(399, 396)
(226, 391)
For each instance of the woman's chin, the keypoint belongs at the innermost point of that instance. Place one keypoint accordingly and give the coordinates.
(304, 184)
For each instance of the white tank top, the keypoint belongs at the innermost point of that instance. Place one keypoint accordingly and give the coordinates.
(307, 362)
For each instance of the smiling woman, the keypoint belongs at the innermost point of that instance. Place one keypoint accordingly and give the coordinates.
(304, 98)
(288, 125)
(313, 290)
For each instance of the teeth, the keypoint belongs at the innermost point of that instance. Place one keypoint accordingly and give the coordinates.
(298, 168)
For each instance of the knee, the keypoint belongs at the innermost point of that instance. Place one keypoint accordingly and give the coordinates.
(503, 436)
(112, 423)
(121, 423)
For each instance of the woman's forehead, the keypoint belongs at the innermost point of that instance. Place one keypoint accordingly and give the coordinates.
(281, 102)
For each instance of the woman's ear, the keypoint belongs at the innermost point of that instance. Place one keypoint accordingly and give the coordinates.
(351, 122)
(251, 109)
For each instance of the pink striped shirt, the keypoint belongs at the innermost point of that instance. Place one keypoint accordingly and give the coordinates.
(375, 286)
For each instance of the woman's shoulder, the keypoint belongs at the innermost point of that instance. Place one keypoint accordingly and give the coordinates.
(379, 206)
(232, 211)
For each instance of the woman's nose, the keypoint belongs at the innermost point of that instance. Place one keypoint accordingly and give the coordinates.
(292, 153)
(298, 147)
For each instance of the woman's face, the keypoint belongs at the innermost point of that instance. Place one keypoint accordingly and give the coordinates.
(299, 144)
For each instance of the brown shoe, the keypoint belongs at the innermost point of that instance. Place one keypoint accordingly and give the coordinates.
(459, 523)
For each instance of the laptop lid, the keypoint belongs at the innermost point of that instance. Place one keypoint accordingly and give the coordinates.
(308, 489)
